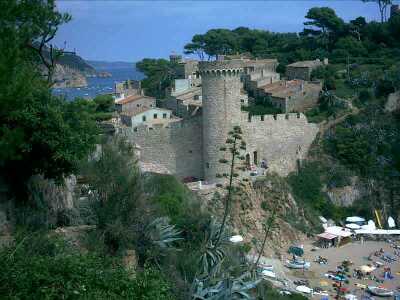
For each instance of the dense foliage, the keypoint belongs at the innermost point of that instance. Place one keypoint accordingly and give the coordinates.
(39, 133)
(325, 35)
(40, 267)
(159, 75)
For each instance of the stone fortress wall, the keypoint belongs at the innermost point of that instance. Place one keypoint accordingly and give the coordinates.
(190, 148)
(176, 147)
(280, 140)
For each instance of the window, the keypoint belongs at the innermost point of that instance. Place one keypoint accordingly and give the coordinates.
(164, 116)
(241, 100)
(144, 118)
(137, 105)
(155, 116)
(207, 165)
(135, 129)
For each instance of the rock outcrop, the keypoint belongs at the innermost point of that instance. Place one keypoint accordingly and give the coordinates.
(67, 77)
(393, 102)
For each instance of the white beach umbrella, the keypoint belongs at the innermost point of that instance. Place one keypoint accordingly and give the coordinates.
(354, 219)
(391, 222)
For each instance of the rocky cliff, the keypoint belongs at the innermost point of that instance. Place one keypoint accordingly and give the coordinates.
(65, 77)
(71, 71)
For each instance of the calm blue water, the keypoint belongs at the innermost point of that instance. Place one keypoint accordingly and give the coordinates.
(97, 86)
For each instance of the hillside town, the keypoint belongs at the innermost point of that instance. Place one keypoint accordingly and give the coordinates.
(259, 161)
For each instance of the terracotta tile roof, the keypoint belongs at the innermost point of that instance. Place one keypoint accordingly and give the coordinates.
(133, 98)
(142, 109)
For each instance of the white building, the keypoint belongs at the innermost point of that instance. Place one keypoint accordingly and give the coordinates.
(148, 116)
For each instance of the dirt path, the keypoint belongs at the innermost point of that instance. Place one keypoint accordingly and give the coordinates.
(325, 125)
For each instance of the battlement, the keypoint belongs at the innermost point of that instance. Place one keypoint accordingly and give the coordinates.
(277, 117)
(221, 68)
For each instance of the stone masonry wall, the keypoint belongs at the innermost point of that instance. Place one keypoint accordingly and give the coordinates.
(280, 140)
(305, 99)
(176, 147)
(221, 110)
(298, 73)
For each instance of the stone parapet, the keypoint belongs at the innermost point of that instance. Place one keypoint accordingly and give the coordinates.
(225, 67)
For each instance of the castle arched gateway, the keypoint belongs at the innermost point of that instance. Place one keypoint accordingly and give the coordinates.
(190, 148)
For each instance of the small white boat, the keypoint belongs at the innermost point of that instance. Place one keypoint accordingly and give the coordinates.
(304, 289)
(297, 264)
(269, 274)
(236, 239)
(380, 291)
(266, 267)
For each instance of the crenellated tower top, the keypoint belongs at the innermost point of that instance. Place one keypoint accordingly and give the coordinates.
(232, 67)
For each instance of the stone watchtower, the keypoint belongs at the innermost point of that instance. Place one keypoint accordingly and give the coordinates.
(221, 110)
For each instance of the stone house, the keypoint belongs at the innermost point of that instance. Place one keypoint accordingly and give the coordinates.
(134, 103)
(189, 69)
(302, 69)
(258, 73)
(183, 99)
(293, 95)
(146, 115)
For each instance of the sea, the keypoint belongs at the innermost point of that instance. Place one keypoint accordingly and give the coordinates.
(97, 86)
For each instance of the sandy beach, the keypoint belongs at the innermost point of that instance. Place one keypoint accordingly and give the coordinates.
(355, 252)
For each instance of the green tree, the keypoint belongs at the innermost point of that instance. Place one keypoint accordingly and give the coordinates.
(197, 46)
(39, 133)
(159, 75)
(356, 26)
(324, 23)
(382, 5)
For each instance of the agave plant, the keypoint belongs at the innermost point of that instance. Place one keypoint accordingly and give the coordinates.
(214, 254)
(159, 237)
(163, 234)
(230, 288)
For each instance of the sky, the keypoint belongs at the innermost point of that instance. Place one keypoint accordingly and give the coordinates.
(132, 30)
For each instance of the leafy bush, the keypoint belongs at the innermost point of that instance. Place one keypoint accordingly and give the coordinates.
(116, 193)
(39, 267)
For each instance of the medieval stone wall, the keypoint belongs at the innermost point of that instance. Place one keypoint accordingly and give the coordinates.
(280, 140)
(176, 147)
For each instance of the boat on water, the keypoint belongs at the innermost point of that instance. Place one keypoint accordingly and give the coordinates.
(380, 291)
(298, 264)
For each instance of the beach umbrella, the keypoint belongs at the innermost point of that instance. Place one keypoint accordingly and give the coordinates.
(353, 226)
(295, 250)
(391, 222)
(354, 219)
